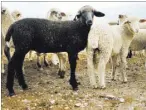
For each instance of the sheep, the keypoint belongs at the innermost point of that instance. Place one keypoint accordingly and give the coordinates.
(45, 36)
(7, 20)
(109, 41)
(139, 41)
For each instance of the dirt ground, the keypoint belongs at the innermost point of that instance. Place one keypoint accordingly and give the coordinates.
(48, 92)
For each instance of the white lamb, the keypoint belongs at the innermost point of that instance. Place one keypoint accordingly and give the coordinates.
(7, 20)
(109, 40)
(139, 41)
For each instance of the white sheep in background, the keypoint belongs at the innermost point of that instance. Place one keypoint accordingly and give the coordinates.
(139, 41)
(16, 15)
(109, 40)
(7, 20)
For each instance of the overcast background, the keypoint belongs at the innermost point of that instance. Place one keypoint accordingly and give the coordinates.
(111, 9)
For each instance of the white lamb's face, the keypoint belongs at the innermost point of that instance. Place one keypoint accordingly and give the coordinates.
(4, 11)
(58, 15)
(16, 15)
(132, 25)
(122, 18)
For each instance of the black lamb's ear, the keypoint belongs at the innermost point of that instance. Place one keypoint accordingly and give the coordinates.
(77, 16)
(98, 14)
(75, 19)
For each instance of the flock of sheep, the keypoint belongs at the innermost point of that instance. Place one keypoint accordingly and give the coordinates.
(57, 35)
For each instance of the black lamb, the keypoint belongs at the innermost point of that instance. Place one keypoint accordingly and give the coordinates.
(46, 36)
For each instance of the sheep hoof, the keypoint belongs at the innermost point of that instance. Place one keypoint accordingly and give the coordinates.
(24, 87)
(61, 73)
(11, 94)
(75, 89)
(74, 84)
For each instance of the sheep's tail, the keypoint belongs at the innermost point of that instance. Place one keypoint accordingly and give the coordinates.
(7, 45)
(9, 33)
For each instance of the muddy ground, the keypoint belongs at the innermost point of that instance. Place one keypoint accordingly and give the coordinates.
(48, 92)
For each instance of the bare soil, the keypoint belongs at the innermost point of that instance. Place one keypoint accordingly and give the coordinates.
(48, 92)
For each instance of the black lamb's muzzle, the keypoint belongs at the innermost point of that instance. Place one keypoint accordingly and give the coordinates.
(89, 19)
(89, 22)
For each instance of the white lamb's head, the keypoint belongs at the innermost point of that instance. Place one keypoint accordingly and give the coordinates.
(16, 15)
(55, 14)
(130, 22)
(4, 11)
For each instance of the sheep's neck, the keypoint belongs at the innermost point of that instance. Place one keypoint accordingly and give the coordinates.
(127, 32)
(6, 22)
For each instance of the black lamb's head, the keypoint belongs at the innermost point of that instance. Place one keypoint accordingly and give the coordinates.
(86, 14)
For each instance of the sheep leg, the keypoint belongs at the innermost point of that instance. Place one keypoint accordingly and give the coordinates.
(15, 64)
(103, 59)
(19, 71)
(62, 64)
(72, 61)
(123, 65)
(90, 68)
(10, 77)
(114, 64)
(39, 61)
(45, 60)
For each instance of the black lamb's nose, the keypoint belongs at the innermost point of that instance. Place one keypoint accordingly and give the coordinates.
(89, 22)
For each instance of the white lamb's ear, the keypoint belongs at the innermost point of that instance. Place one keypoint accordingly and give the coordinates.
(142, 20)
(51, 12)
(18, 15)
(63, 14)
(122, 16)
